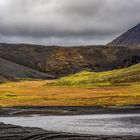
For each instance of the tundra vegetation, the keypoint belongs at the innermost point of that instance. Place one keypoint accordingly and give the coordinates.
(111, 88)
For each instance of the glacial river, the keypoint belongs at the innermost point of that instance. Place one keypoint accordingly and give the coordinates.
(105, 124)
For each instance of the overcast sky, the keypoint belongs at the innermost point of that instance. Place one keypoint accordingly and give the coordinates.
(66, 22)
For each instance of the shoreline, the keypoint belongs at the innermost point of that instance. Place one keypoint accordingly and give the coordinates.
(14, 132)
(68, 110)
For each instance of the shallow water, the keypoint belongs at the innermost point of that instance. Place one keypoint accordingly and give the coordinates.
(104, 124)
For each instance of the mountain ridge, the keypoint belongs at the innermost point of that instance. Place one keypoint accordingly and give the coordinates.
(129, 38)
(10, 71)
(62, 61)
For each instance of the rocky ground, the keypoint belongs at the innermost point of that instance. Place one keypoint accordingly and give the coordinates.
(25, 111)
(12, 132)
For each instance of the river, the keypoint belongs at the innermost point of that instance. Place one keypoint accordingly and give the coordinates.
(104, 124)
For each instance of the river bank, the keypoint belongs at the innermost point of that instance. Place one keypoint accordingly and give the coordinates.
(13, 132)
(52, 110)
(20, 115)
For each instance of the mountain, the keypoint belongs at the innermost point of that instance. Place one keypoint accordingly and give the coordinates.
(125, 75)
(62, 61)
(130, 38)
(12, 71)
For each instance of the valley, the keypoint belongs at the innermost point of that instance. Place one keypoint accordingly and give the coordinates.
(111, 88)
(69, 70)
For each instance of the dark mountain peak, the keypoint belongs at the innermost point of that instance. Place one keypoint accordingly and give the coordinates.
(129, 38)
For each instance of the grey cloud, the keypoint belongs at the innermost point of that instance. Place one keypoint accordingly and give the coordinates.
(66, 21)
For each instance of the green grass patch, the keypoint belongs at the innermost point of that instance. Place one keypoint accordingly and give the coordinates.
(123, 76)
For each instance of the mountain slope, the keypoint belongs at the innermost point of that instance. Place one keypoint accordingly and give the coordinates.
(130, 38)
(4, 78)
(126, 75)
(62, 61)
(11, 71)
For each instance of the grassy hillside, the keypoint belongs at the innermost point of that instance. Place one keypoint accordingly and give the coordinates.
(111, 88)
(114, 77)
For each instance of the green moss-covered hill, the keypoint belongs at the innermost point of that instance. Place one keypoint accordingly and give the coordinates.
(125, 75)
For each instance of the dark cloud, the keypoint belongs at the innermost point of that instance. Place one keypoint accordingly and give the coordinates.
(66, 21)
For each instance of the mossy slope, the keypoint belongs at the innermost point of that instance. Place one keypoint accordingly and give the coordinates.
(126, 75)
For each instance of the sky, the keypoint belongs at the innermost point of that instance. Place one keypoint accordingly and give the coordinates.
(66, 22)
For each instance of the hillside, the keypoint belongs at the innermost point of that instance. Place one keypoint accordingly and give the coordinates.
(129, 38)
(13, 71)
(126, 75)
(62, 61)
(4, 78)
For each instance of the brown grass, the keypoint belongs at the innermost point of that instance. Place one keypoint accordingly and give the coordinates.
(36, 93)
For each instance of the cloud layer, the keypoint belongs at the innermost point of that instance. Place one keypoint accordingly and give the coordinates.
(67, 22)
